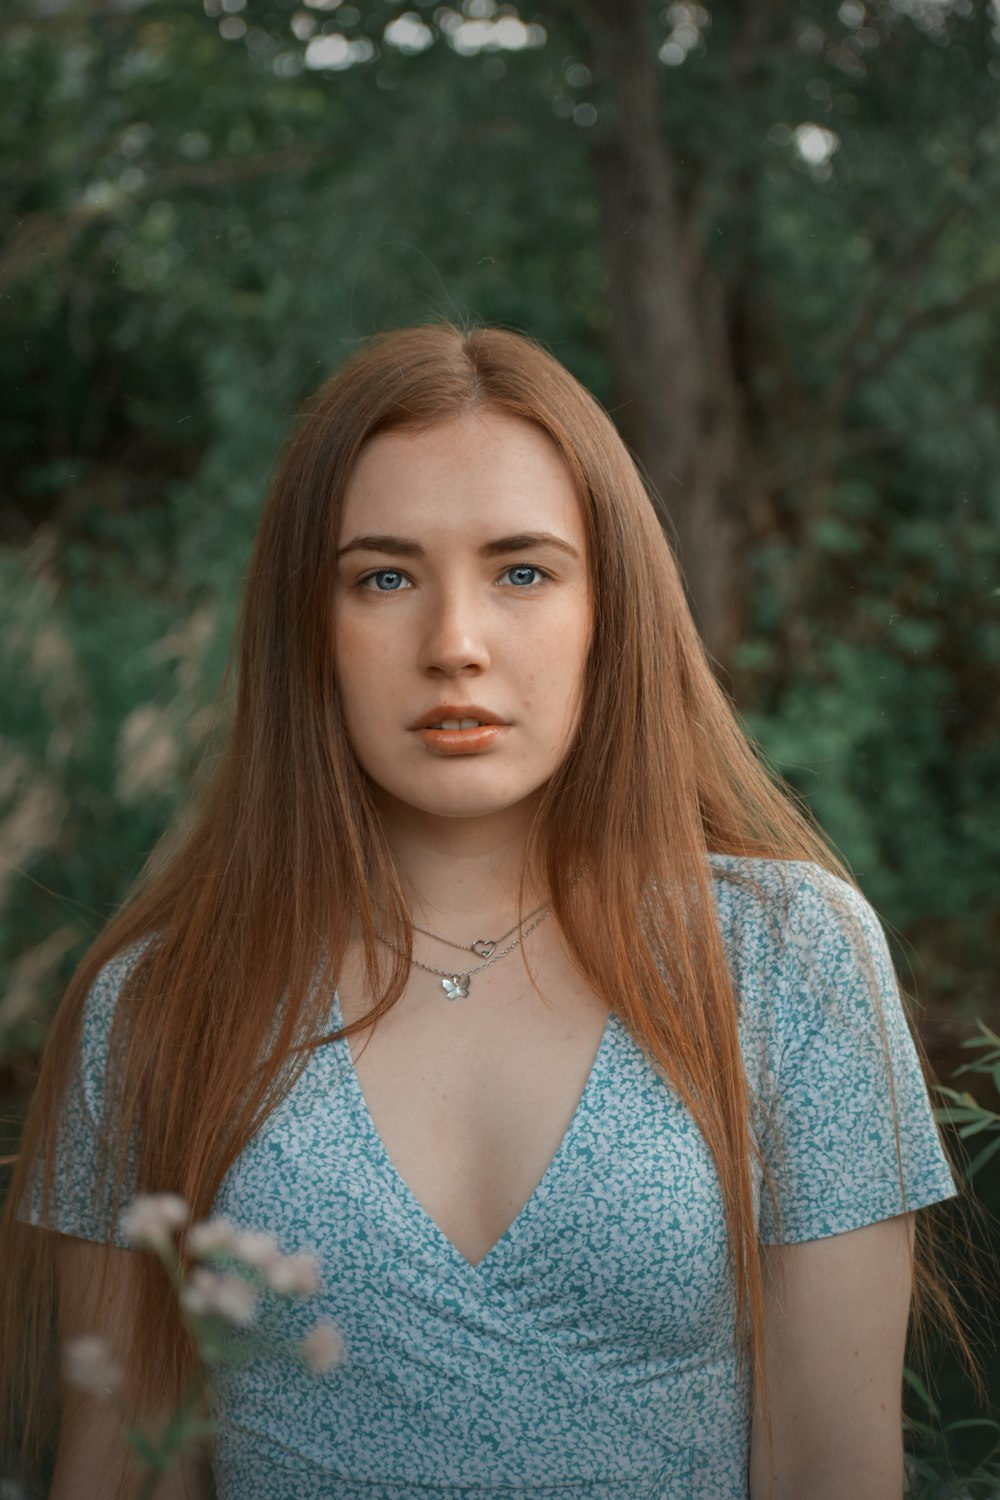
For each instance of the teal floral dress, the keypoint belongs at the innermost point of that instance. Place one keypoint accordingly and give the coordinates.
(590, 1355)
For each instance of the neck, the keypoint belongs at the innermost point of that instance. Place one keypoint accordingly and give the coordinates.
(462, 873)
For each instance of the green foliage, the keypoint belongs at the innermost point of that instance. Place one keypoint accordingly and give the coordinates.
(199, 224)
(965, 1110)
(209, 224)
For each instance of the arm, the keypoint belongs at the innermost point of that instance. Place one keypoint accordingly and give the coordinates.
(94, 1457)
(836, 1313)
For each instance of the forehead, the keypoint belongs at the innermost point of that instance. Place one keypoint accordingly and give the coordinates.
(483, 470)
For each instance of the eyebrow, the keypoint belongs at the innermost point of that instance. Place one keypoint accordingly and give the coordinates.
(401, 546)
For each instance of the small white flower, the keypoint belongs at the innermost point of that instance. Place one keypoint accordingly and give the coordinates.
(255, 1247)
(89, 1364)
(195, 1296)
(323, 1347)
(212, 1237)
(151, 1219)
(230, 1297)
(295, 1275)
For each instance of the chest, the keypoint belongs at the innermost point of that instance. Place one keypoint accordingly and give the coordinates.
(471, 1099)
(558, 1290)
(612, 1237)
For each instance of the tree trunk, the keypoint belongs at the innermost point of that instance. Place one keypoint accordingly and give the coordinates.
(678, 402)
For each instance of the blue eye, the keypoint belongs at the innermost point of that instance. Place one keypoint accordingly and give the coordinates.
(517, 575)
(393, 580)
(523, 576)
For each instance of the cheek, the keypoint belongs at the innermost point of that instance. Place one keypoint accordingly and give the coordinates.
(570, 641)
(358, 652)
(555, 663)
(576, 669)
(354, 671)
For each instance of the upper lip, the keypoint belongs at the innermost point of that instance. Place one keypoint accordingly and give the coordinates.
(456, 711)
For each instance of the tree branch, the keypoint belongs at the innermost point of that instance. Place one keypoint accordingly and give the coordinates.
(902, 267)
(931, 317)
(798, 466)
(50, 234)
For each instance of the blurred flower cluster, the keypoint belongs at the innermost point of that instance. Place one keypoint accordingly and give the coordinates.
(232, 1268)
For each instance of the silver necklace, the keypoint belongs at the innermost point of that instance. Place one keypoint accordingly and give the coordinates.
(457, 985)
(482, 947)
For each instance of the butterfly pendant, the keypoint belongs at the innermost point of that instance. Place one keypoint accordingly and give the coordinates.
(457, 985)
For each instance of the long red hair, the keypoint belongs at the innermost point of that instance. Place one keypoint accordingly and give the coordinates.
(280, 848)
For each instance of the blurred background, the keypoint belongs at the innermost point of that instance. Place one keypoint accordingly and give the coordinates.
(766, 236)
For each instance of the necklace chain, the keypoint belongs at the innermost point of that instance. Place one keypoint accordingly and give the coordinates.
(488, 943)
(457, 985)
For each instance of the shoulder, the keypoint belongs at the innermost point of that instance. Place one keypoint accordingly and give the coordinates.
(757, 900)
(790, 899)
(111, 977)
(794, 933)
(100, 1005)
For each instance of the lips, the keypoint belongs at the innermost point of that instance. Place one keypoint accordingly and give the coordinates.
(457, 716)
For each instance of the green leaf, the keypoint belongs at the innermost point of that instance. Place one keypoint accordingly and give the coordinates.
(978, 1162)
(144, 1447)
(978, 1041)
(984, 1065)
(965, 1098)
(913, 1380)
(986, 1121)
(950, 1116)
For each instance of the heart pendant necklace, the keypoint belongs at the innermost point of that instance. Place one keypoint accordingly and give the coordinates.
(456, 986)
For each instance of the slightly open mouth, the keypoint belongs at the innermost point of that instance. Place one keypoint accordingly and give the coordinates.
(461, 736)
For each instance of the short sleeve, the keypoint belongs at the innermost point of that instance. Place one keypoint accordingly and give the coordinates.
(831, 1114)
(79, 1203)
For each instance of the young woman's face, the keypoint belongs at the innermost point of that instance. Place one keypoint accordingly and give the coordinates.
(461, 594)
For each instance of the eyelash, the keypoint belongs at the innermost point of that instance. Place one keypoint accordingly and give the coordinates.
(528, 588)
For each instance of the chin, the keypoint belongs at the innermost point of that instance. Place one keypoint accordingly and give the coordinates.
(455, 802)
(467, 807)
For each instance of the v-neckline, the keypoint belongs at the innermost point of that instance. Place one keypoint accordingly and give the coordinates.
(410, 1198)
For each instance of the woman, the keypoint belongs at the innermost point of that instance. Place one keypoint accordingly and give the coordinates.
(602, 1169)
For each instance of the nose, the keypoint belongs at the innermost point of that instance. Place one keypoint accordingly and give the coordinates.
(453, 638)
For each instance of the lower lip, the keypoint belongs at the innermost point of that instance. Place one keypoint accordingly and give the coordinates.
(461, 741)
